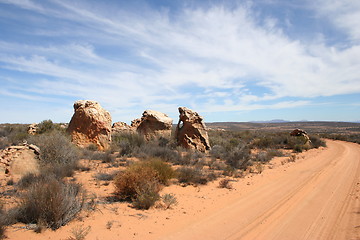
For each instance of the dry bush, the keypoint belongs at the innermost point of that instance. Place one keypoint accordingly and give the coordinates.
(225, 183)
(146, 195)
(127, 144)
(104, 176)
(128, 182)
(2, 222)
(169, 200)
(153, 150)
(51, 202)
(13, 134)
(58, 154)
(239, 157)
(316, 141)
(191, 175)
(79, 232)
(342, 137)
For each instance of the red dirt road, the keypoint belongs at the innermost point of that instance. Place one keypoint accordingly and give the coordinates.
(316, 198)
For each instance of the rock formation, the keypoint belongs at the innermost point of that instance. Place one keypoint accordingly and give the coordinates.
(135, 123)
(191, 130)
(20, 160)
(90, 124)
(119, 127)
(152, 124)
(299, 132)
(33, 128)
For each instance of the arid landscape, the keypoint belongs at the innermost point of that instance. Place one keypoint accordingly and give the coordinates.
(180, 120)
(245, 181)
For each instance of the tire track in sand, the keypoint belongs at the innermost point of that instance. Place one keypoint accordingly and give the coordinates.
(317, 198)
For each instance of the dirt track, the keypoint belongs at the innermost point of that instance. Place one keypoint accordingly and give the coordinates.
(316, 198)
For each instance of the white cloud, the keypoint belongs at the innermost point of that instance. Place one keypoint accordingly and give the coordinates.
(155, 59)
(345, 14)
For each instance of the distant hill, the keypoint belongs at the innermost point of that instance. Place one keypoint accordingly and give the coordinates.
(271, 121)
(309, 126)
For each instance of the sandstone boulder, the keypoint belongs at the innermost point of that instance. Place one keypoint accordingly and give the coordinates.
(119, 127)
(152, 124)
(191, 131)
(90, 124)
(20, 160)
(33, 128)
(135, 123)
(299, 132)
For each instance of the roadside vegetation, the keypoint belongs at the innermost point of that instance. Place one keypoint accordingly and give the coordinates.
(141, 169)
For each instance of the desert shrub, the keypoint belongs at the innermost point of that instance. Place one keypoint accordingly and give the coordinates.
(105, 157)
(2, 222)
(28, 179)
(104, 176)
(14, 134)
(45, 126)
(128, 182)
(4, 142)
(298, 148)
(225, 183)
(151, 150)
(239, 157)
(79, 232)
(169, 200)
(164, 171)
(126, 143)
(146, 195)
(343, 137)
(51, 202)
(191, 175)
(58, 154)
(274, 153)
(217, 151)
(259, 167)
(316, 141)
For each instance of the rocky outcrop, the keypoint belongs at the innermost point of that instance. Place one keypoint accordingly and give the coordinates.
(33, 128)
(90, 124)
(20, 160)
(135, 123)
(191, 131)
(152, 124)
(120, 127)
(301, 133)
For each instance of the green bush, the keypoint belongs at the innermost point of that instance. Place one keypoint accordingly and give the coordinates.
(164, 170)
(51, 202)
(45, 126)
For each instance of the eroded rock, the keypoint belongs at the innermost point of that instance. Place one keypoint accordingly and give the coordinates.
(119, 127)
(20, 160)
(191, 131)
(299, 132)
(33, 128)
(90, 124)
(153, 124)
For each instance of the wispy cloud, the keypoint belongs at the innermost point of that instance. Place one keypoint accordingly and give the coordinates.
(155, 58)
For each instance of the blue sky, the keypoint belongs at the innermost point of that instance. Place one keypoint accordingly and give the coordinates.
(228, 60)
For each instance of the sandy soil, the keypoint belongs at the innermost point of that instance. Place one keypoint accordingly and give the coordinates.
(315, 197)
